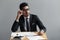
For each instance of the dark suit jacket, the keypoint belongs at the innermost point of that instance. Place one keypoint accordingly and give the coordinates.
(34, 21)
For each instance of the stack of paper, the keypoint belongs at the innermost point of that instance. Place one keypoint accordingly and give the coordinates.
(35, 38)
(23, 34)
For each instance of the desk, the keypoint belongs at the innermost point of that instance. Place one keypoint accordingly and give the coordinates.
(26, 37)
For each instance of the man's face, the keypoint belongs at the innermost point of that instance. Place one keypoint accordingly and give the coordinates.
(26, 11)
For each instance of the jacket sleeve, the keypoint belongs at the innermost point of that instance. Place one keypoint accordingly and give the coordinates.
(40, 25)
(15, 26)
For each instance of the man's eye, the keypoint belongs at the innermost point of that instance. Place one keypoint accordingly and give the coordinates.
(26, 9)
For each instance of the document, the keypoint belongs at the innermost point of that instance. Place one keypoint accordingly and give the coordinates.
(29, 35)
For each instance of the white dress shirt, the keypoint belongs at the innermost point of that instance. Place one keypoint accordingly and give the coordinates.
(28, 22)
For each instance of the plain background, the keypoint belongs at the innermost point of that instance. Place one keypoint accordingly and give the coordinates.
(47, 10)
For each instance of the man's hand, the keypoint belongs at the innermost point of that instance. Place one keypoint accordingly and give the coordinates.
(40, 33)
(19, 13)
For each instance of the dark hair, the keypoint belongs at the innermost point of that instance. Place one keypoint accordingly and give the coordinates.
(23, 5)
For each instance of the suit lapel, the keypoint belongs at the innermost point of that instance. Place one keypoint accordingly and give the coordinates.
(30, 19)
(22, 20)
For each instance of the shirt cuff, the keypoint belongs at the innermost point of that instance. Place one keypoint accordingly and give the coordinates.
(42, 30)
(17, 20)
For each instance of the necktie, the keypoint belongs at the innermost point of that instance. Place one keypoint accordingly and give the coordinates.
(27, 24)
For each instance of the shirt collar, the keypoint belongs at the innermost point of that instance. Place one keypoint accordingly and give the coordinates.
(27, 17)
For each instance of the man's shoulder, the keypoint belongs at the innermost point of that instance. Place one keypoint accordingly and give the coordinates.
(33, 14)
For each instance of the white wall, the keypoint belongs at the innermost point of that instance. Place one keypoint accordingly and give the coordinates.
(47, 10)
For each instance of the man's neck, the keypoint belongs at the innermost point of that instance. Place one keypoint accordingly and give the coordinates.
(27, 16)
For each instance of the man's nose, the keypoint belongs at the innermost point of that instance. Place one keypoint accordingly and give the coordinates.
(28, 11)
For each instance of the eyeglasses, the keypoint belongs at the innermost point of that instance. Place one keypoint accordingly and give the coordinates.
(25, 9)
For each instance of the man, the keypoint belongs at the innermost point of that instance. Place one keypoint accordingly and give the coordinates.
(26, 21)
